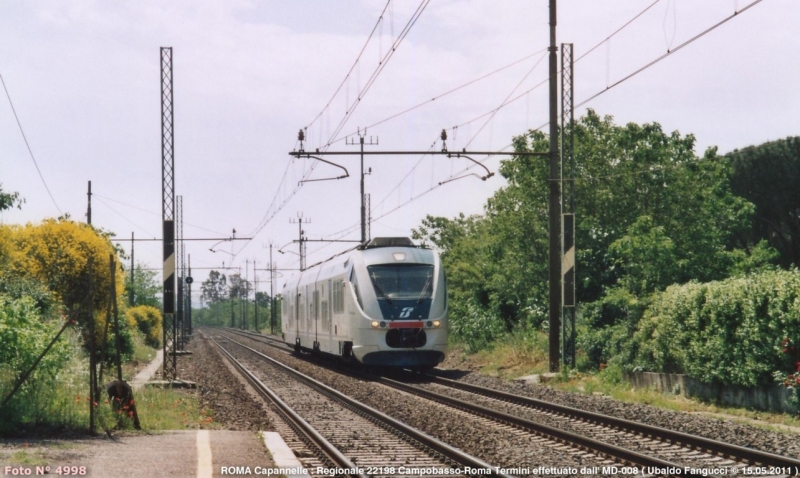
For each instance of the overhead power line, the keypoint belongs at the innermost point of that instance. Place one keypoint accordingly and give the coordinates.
(355, 64)
(351, 108)
(29, 146)
(670, 52)
(636, 72)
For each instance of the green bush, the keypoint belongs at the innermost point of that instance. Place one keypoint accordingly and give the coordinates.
(476, 327)
(607, 325)
(24, 334)
(148, 320)
(109, 350)
(726, 332)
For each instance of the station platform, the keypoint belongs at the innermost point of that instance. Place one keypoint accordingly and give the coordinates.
(185, 453)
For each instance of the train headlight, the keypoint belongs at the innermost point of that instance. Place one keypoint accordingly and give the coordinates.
(429, 324)
(436, 323)
(374, 324)
(383, 324)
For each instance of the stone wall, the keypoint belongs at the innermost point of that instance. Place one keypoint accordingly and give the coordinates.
(771, 398)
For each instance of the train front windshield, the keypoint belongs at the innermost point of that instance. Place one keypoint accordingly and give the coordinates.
(402, 281)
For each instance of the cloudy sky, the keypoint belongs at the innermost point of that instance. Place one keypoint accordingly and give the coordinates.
(84, 78)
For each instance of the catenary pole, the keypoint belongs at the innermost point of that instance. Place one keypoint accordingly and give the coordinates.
(554, 207)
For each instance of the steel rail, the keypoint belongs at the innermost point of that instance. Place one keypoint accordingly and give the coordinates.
(434, 444)
(752, 456)
(598, 447)
(749, 455)
(294, 420)
(589, 444)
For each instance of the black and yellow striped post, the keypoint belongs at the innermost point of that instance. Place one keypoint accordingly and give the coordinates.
(169, 324)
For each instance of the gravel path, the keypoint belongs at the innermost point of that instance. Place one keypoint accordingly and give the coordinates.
(233, 406)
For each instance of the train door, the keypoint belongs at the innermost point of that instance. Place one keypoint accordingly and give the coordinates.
(327, 314)
(296, 313)
(315, 312)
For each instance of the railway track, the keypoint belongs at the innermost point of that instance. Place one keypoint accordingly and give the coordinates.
(349, 437)
(636, 443)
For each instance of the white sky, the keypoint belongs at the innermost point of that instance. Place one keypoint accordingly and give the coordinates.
(84, 77)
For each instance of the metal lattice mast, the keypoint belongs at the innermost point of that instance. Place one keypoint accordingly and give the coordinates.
(179, 257)
(170, 368)
(568, 300)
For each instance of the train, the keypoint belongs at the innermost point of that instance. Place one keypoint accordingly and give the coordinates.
(382, 304)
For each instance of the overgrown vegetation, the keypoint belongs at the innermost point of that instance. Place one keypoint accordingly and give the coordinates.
(53, 274)
(677, 270)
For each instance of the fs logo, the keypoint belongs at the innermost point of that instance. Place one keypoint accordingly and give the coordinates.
(406, 312)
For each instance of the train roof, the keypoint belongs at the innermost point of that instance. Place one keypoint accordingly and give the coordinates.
(332, 265)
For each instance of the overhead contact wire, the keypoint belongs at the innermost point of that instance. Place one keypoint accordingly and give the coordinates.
(29, 146)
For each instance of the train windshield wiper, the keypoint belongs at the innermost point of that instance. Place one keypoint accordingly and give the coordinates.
(378, 288)
(424, 289)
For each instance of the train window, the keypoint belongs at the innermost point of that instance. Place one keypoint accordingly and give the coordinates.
(355, 287)
(402, 281)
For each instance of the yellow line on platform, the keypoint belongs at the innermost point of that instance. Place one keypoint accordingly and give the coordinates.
(205, 465)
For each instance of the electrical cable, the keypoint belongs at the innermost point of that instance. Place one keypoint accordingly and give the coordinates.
(123, 217)
(29, 146)
(412, 21)
(355, 63)
(442, 95)
(154, 213)
(506, 99)
(351, 109)
(653, 62)
(670, 52)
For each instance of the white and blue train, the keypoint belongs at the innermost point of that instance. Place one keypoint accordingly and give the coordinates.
(383, 304)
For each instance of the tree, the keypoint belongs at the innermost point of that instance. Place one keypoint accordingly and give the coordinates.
(9, 200)
(238, 287)
(56, 253)
(262, 299)
(623, 174)
(647, 258)
(146, 287)
(215, 288)
(768, 175)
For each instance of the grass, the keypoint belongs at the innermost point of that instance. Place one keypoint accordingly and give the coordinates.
(512, 356)
(60, 405)
(142, 355)
(165, 409)
(518, 354)
(26, 458)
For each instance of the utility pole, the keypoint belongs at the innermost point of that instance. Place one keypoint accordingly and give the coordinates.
(246, 291)
(271, 292)
(363, 197)
(189, 281)
(131, 292)
(180, 301)
(301, 239)
(255, 297)
(554, 207)
(170, 369)
(89, 206)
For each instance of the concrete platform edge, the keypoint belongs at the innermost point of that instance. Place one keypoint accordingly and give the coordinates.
(282, 455)
(142, 377)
